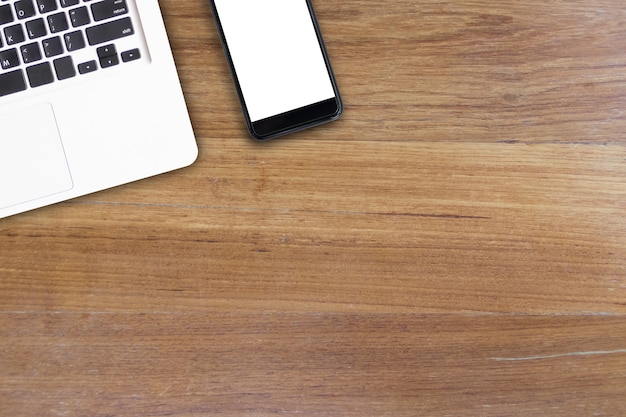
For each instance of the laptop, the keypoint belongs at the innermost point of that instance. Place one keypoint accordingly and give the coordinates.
(89, 99)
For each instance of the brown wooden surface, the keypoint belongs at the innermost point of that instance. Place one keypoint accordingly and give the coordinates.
(455, 245)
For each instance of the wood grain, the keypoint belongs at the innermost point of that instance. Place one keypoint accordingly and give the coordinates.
(321, 364)
(455, 245)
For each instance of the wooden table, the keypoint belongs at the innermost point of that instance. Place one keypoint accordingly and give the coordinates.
(455, 245)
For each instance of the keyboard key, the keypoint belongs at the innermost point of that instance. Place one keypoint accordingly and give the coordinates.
(109, 61)
(87, 67)
(106, 50)
(24, 9)
(58, 22)
(80, 17)
(68, 3)
(131, 55)
(107, 55)
(52, 47)
(108, 8)
(36, 29)
(74, 41)
(40, 74)
(107, 32)
(64, 68)
(6, 15)
(12, 82)
(14, 34)
(9, 59)
(30, 53)
(46, 6)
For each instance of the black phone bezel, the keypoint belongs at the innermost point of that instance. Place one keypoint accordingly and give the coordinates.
(296, 119)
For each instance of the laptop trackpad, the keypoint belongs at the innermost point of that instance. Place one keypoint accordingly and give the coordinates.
(32, 158)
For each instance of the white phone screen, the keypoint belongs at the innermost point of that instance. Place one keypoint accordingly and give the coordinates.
(276, 55)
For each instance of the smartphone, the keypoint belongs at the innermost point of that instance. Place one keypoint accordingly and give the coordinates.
(279, 65)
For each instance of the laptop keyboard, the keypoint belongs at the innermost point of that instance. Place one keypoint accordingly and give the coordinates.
(47, 41)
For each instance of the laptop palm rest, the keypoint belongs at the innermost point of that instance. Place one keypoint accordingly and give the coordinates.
(32, 159)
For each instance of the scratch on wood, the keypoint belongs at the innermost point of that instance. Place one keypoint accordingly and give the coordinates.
(166, 390)
(560, 355)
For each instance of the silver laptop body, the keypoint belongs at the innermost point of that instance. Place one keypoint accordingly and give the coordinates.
(89, 99)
